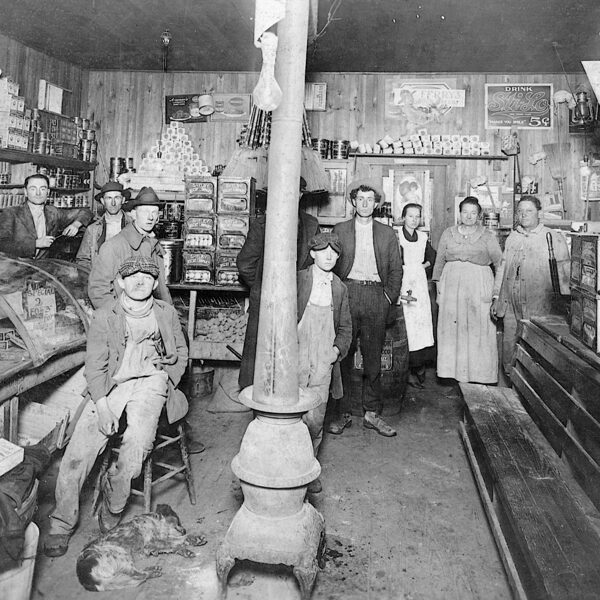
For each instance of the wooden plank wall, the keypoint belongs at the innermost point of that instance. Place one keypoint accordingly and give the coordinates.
(27, 67)
(128, 107)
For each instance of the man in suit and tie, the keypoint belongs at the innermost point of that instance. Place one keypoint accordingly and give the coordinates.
(28, 230)
(371, 267)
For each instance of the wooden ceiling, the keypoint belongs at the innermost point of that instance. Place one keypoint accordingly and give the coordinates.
(365, 35)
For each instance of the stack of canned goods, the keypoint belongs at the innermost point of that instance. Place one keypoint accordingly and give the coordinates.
(88, 146)
(11, 199)
(67, 200)
(4, 173)
(65, 179)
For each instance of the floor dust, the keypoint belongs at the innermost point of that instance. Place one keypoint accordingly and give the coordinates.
(403, 517)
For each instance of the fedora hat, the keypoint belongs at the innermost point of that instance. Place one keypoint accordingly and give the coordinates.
(374, 184)
(146, 197)
(113, 186)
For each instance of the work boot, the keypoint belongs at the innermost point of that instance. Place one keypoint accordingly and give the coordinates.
(106, 519)
(315, 486)
(373, 421)
(337, 427)
(56, 544)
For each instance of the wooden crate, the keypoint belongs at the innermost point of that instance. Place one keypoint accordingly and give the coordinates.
(41, 424)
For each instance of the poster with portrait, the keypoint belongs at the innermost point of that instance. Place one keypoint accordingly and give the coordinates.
(411, 186)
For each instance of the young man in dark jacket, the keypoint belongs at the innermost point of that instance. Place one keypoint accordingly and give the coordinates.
(371, 267)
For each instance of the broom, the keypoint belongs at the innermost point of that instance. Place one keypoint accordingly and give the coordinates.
(311, 167)
(250, 159)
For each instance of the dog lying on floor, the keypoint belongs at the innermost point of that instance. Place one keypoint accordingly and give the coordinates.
(107, 562)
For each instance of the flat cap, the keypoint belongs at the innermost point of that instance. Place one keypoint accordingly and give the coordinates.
(138, 264)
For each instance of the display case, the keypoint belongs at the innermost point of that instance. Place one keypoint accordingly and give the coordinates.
(44, 318)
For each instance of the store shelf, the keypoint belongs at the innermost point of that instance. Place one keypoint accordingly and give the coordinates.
(20, 156)
(205, 350)
(207, 287)
(10, 186)
(431, 156)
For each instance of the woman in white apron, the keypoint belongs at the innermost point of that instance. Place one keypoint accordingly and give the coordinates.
(418, 255)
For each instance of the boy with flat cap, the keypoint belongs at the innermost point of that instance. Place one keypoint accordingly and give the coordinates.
(136, 239)
(135, 357)
(324, 332)
(111, 196)
(371, 268)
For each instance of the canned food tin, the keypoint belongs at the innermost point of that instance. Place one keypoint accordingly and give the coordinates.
(172, 259)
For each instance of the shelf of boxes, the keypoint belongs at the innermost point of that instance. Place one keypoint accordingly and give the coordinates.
(216, 221)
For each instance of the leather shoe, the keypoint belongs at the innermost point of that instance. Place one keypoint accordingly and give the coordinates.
(372, 420)
(195, 447)
(337, 427)
(56, 544)
(315, 486)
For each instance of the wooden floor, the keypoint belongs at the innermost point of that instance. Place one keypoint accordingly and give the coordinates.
(403, 517)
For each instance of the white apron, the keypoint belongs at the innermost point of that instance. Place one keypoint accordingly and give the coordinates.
(417, 315)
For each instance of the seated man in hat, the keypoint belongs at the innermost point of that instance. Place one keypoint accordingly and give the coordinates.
(111, 196)
(136, 239)
(324, 332)
(136, 355)
(371, 268)
(28, 230)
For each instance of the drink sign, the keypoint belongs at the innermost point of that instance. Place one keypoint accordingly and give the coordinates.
(518, 106)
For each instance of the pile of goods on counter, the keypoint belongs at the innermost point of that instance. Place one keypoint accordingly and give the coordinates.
(423, 143)
(220, 319)
(167, 163)
(216, 222)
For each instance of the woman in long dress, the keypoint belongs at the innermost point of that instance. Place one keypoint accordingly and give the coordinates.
(467, 349)
(418, 256)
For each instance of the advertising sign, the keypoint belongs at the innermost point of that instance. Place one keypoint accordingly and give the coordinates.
(518, 106)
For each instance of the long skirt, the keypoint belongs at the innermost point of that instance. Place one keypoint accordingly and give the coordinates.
(467, 349)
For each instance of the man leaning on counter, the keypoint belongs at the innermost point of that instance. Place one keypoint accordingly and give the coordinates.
(28, 230)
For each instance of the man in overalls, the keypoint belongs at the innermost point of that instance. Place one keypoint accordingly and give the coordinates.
(324, 332)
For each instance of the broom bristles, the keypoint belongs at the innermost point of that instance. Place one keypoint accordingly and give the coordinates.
(311, 168)
(248, 162)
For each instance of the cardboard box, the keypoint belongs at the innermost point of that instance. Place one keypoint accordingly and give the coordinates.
(11, 455)
(231, 231)
(201, 187)
(584, 317)
(226, 272)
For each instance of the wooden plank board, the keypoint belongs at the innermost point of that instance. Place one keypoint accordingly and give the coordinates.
(558, 328)
(549, 529)
(573, 373)
(549, 425)
(556, 397)
(202, 350)
(511, 570)
(578, 422)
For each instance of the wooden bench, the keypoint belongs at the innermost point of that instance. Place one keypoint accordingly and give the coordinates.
(558, 381)
(548, 545)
